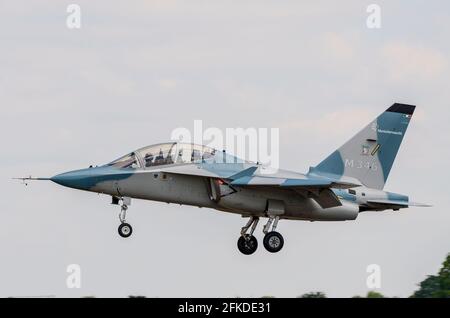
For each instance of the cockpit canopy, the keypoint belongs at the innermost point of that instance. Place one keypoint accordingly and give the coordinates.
(172, 153)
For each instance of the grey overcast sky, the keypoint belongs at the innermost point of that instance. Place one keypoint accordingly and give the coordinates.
(138, 69)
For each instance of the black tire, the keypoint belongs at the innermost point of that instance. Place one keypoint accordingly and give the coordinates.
(125, 230)
(273, 242)
(247, 244)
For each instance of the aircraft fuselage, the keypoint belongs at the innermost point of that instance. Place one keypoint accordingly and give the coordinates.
(157, 185)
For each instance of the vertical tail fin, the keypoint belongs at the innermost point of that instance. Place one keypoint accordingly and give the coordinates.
(370, 154)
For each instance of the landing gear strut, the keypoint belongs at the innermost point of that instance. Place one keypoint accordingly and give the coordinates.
(125, 230)
(273, 241)
(247, 243)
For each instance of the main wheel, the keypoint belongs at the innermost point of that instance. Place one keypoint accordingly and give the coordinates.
(247, 244)
(125, 230)
(273, 242)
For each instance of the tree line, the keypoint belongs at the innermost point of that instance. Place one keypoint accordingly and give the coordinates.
(434, 286)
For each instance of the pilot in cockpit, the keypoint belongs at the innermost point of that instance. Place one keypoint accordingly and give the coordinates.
(148, 159)
(180, 156)
(131, 162)
(160, 158)
(169, 159)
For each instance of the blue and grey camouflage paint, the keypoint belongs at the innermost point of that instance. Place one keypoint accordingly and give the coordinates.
(349, 181)
(370, 154)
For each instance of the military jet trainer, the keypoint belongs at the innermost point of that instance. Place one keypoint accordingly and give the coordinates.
(348, 182)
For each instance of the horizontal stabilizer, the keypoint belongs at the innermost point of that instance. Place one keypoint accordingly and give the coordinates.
(420, 205)
(396, 203)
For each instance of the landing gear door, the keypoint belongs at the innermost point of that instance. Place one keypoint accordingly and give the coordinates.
(275, 207)
(116, 188)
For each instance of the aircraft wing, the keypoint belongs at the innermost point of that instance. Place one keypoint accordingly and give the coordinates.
(248, 177)
(253, 181)
(318, 189)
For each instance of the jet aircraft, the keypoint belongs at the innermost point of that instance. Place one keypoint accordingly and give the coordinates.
(348, 182)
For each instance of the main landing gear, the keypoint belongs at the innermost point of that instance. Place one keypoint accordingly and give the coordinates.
(247, 243)
(273, 241)
(125, 230)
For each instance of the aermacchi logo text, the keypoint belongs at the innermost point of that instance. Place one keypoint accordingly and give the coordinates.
(390, 132)
(260, 145)
(374, 126)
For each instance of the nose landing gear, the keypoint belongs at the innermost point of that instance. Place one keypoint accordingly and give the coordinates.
(125, 230)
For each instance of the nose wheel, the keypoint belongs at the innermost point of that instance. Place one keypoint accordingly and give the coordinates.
(125, 230)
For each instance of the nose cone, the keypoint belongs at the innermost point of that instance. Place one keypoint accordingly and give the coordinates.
(96, 179)
(79, 179)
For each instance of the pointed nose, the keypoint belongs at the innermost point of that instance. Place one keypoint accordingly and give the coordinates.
(92, 179)
(78, 179)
